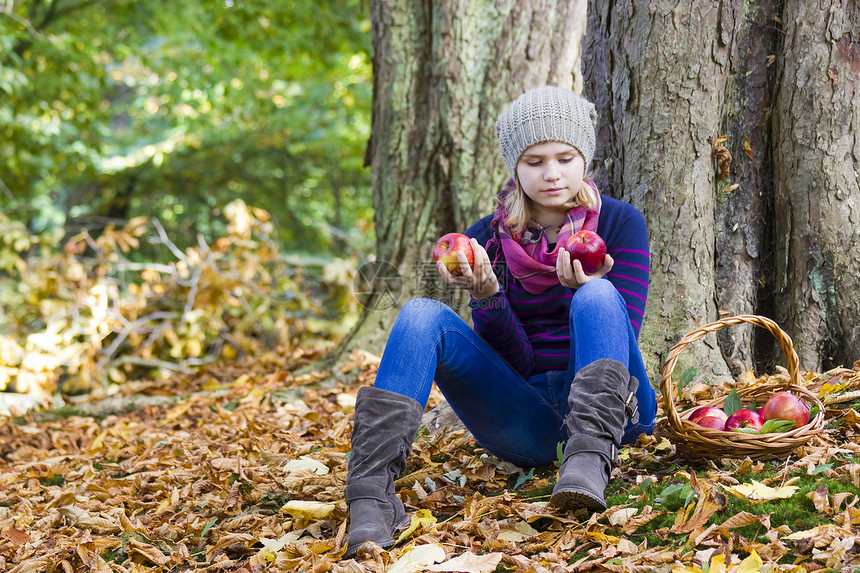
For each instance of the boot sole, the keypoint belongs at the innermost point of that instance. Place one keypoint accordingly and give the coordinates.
(351, 551)
(573, 499)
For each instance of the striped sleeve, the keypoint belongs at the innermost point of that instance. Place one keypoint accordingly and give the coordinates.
(627, 243)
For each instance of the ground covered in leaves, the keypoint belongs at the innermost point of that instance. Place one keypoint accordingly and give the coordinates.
(243, 469)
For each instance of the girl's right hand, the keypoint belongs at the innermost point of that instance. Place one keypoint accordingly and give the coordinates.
(570, 273)
(481, 281)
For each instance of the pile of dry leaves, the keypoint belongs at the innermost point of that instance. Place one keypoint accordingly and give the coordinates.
(245, 472)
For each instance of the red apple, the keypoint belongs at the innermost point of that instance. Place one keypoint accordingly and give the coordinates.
(744, 419)
(447, 248)
(712, 422)
(588, 248)
(786, 406)
(700, 413)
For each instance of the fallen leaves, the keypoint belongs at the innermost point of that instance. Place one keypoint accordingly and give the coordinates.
(723, 157)
(247, 474)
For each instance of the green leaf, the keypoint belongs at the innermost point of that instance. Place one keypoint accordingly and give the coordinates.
(690, 495)
(559, 454)
(208, 527)
(671, 489)
(686, 378)
(523, 478)
(746, 431)
(732, 403)
(769, 427)
(822, 468)
(776, 426)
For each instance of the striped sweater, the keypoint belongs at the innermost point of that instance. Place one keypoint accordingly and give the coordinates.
(531, 331)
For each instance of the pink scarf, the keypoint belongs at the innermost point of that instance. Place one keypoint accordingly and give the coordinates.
(528, 260)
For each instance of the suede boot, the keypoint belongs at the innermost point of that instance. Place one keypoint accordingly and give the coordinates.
(384, 427)
(602, 399)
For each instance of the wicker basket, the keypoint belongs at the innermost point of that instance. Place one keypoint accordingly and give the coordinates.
(699, 443)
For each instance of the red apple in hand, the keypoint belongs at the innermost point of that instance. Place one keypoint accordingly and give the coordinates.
(588, 248)
(744, 419)
(447, 248)
(786, 406)
(712, 422)
(704, 411)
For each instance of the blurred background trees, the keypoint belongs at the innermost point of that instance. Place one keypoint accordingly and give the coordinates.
(111, 110)
(178, 182)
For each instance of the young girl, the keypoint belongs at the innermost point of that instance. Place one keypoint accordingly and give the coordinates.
(553, 356)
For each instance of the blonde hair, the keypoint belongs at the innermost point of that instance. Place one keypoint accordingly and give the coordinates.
(518, 206)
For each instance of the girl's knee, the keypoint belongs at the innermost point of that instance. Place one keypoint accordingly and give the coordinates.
(424, 314)
(596, 292)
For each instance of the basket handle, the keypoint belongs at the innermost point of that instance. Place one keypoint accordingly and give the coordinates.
(694, 335)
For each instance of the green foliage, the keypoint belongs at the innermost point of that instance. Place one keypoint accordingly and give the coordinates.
(672, 493)
(112, 110)
(686, 378)
(769, 427)
(732, 403)
(524, 477)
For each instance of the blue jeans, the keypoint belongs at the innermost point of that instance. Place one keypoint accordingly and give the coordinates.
(521, 421)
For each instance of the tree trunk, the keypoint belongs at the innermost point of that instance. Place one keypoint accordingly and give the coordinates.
(817, 181)
(744, 211)
(442, 71)
(658, 73)
(749, 210)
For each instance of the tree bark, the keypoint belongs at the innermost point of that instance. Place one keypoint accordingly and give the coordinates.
(658, 72)
(442, 71)
(735, 131)
(744, 235)
(817, 181)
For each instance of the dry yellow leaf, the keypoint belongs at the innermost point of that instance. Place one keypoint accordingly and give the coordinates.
(744, 519)
(469, 563)
(309, 509)
(423, 519)
(758, 491)
(80, 518)
(516, 531)
(602, 537)
(165, 503)
(97, 442)
(418, 558)
(752, 564)
(305, 463)
(622, 516)
(823, 535)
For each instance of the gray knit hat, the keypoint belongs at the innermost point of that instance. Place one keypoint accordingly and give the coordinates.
(546, 114)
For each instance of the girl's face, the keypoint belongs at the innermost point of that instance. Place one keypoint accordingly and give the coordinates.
(551, 175)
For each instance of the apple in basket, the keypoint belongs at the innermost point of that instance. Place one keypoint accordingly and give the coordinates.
(712, 422)
(704, 411)
(744, 419)
(786, 406)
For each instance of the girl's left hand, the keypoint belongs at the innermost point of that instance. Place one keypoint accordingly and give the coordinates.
(572, 275)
